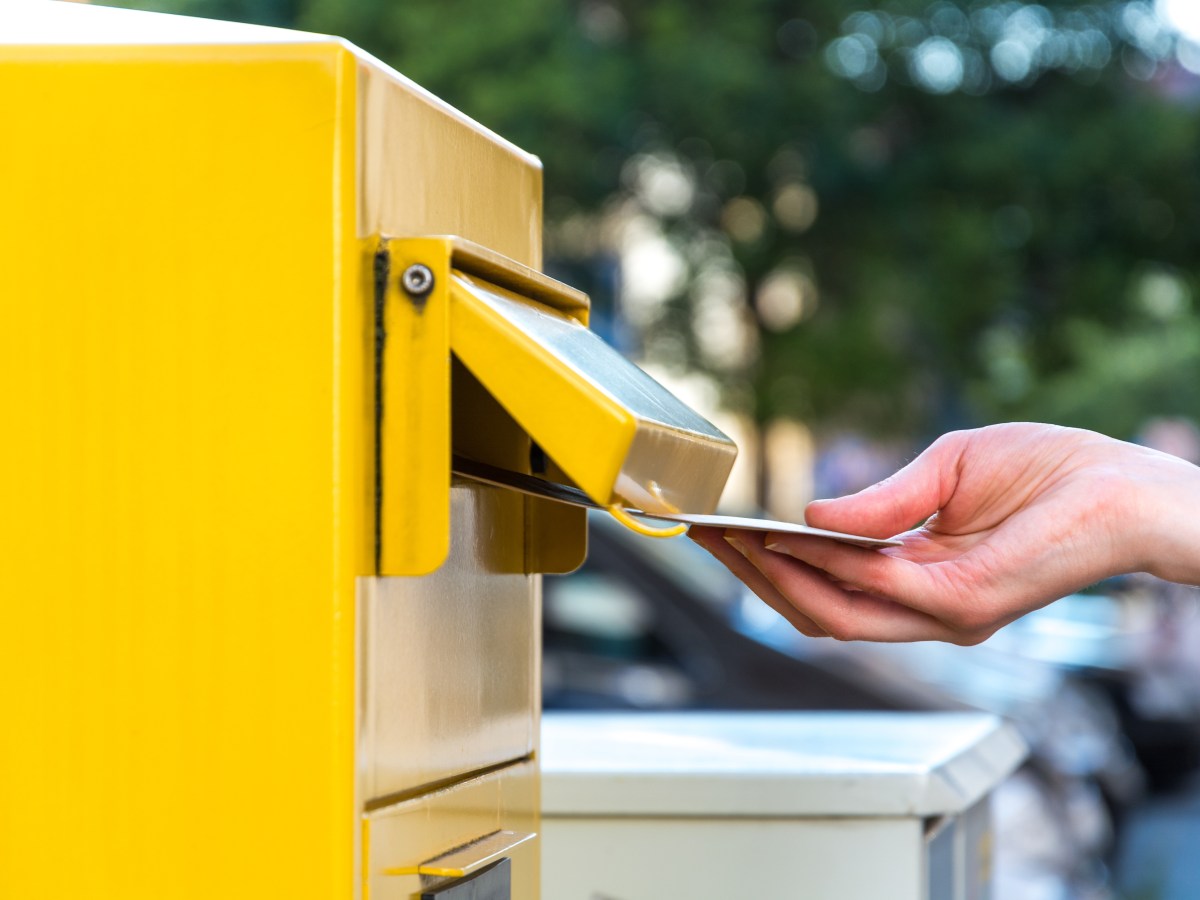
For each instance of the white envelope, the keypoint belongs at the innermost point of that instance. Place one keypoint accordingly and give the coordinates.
(714, 521)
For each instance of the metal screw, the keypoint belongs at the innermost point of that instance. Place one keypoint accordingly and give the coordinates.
(417, 281)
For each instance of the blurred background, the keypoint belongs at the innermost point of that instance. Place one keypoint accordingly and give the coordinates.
(841, 228)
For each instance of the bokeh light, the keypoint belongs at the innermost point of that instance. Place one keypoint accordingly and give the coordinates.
(1182, 15)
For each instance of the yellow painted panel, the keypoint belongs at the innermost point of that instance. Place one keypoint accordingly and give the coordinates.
(185, 354)
(413, 343)
(468, 858)
(452, 658)
(619, 435)
(414, 405)
(557, 534)
(585, 430)
(428, 169)
(186, 288)
(484, 431)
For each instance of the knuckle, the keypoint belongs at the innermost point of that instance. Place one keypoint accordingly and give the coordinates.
(951, 440)
(873, 578)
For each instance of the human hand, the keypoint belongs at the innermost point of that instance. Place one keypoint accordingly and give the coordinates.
(1014, 517)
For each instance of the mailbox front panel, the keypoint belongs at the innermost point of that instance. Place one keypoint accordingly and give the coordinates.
(186, 298)
(186, 500)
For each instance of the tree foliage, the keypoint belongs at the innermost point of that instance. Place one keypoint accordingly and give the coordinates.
(925, 227)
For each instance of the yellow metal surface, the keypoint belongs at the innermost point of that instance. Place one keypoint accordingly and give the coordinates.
(414, 402)
(428, 170)
(208, 469)
(419, 832)
(585, 431)
(602, 422)
(638, 527)
(469, 858)
(185, 470)
(489, 265)
(413, 409)
(556, 534)
(414, 439)
(186, 329)
(613, 430)
(469, 634)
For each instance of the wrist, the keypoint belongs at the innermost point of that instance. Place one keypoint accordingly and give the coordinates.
(1167, 520)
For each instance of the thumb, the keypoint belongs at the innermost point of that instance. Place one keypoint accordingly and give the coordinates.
(899, 502)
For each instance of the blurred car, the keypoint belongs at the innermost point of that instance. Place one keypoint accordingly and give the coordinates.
(648, 624)
(1137, 640)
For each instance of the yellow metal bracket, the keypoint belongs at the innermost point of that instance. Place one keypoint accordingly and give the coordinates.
(637, 526)
(535, 392)
(414, 278)
(467, 859)
(412, 406)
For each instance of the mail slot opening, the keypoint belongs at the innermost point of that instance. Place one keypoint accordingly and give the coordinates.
(483, 431)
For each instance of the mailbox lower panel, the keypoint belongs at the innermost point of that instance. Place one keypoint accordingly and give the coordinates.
(450, 659)
(407, 834)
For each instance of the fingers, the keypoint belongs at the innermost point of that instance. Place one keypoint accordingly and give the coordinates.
(897, 503)
(853, 615)
(713, 540)
(876, 573)
(817, 606)
(829, 589)
(942, 591)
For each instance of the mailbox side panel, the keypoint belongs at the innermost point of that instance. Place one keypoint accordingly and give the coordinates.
(184, 350)
(450, 664)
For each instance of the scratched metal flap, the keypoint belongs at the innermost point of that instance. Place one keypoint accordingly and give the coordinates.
(615, 431)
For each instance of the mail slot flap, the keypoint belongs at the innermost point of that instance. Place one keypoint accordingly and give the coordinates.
(614, 430)
(547, 383)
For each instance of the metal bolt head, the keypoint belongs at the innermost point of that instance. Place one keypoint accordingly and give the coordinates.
(417, 280)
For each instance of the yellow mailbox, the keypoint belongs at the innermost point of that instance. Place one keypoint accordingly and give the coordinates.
(257, 640)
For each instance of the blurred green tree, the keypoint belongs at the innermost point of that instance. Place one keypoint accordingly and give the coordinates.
(894, 218)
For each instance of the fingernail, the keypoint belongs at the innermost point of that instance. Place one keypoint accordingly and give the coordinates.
(736, 545)
(778, 547)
